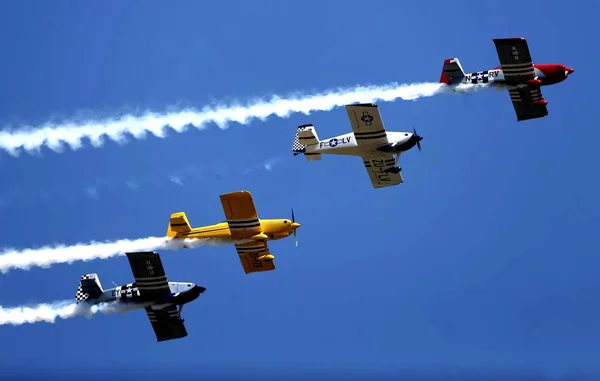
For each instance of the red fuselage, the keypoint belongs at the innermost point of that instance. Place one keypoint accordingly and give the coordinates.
(545, 74)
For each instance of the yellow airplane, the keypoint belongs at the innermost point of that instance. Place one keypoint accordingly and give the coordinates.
(242, 223)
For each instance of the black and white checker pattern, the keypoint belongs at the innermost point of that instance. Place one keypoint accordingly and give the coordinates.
(480, 77)
(297, 147)
(80, 295)
(129, 291)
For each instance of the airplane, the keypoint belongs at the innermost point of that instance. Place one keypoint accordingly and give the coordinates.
(379, 149)
(242, 224)
(517, 74)
(150, 291)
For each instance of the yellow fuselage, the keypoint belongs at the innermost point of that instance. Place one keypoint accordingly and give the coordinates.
(273, 229)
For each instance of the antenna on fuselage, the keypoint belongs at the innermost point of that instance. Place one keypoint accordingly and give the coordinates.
(113, 282)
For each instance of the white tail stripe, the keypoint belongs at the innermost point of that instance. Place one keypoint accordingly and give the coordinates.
(147, 278)
(149, 284)
(522, 64)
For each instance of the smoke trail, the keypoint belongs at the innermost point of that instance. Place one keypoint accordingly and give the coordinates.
(49, 312)
(47, 256)
(70, 133)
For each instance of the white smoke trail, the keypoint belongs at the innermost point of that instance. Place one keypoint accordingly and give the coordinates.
(47, 256)
(49, 312)
(31, 139)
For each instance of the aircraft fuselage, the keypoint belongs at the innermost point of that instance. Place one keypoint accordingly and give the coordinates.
(273, 229)
(398, 141)
(181, 293)
(546, 74)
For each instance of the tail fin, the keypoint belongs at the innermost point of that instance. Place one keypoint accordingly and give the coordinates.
(306, 135)
(89, 288)
(178, 223)
(452, 71)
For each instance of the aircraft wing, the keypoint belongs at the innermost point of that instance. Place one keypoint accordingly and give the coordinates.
(375, 166)
(149, 274)
(522, 100)
(367, 124)
(249, 253)
(241, 214)
(515, 59)
(166, 323)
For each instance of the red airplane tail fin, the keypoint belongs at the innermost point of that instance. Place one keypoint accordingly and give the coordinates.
(452, 71)
(444, 77)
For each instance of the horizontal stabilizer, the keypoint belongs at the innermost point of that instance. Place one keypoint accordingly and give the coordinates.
(312, 156)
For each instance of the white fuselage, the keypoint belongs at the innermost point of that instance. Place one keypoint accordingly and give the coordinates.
(346, 144)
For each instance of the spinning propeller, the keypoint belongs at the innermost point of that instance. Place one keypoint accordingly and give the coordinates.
(419, 138)
(295, 226)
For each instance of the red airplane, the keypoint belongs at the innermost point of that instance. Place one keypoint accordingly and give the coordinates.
(517, 74)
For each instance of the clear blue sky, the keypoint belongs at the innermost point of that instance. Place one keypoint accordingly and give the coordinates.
(485, 260)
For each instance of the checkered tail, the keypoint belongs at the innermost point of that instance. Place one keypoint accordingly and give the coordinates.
(89, 288)
(306, 137)
(297, 147)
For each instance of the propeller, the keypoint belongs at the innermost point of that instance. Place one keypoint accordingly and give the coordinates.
(295, 226)
(419, 138)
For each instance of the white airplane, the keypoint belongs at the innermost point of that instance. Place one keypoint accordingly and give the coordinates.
(368, 139)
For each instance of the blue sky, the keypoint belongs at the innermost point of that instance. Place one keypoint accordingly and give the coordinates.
(484, 260)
